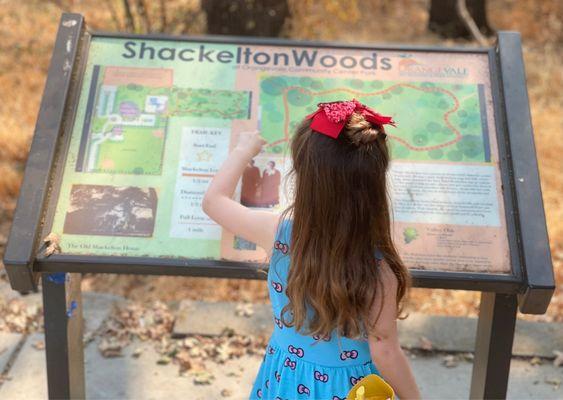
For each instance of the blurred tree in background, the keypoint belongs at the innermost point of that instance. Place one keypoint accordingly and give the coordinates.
(245, 18)
(218, 17)
(448, 18)
(447, 21)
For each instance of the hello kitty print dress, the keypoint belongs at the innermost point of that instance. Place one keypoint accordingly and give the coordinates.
(297, 366)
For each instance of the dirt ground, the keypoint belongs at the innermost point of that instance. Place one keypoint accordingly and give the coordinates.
(28, 28)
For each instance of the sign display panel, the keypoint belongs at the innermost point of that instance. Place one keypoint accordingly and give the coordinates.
(156, 118)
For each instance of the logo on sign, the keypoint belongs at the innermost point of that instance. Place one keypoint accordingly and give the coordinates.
(409, 66)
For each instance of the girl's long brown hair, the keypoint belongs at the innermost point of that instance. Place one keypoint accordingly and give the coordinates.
(340, 217)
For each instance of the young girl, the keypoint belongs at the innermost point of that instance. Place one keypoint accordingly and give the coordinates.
(335, 279)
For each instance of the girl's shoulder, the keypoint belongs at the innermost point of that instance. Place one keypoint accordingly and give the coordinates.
(283, 231)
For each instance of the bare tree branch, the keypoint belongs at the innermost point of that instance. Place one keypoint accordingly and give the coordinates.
(470, 23)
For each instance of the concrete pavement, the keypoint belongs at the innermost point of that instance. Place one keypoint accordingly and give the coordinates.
(129, 377)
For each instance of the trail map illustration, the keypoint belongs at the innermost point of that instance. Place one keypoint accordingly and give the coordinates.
(130, 109)
(434, 121)
(156, 119)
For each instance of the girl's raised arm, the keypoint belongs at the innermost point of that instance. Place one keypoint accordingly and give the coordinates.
(253, 225)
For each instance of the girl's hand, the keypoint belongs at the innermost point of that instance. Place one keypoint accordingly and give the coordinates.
(250, 143)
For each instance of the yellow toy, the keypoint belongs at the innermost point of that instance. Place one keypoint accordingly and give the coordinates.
(371, 387)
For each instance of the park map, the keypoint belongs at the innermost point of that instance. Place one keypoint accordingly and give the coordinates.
(434, 121)
(128, 126)
(150, 133)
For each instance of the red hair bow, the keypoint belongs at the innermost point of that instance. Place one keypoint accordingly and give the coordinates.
(330, 118)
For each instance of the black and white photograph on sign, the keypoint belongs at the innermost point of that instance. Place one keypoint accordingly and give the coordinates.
(111, 211)
(261, 184)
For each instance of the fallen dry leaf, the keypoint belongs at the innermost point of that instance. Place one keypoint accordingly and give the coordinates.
(18, 322)
(164, 360)
(32, 310)
(15, 306)
(228, 331)
(53, 244)
(137, 352)
(555, 382)
(189, 342)
(203, 378)
(558, 360)
(198, 366)
(223, 353)
(195, 352)
(244, 310)
(39, 345)
(88, 337)
(184, 360)
(51, 238)
(450, 361)
(425, 344)
(535, 361)
(52, 249)
(110, 347)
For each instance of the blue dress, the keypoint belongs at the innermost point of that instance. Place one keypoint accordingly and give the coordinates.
(297, 366)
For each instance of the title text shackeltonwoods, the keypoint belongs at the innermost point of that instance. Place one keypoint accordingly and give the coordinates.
(246, 55)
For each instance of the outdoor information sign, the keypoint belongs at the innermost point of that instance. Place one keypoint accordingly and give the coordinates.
(132, 128)
(156, 118)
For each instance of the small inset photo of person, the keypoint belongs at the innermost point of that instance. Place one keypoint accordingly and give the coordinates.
(261, 184)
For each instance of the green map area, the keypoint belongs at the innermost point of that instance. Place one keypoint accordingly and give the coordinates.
(128, 126)
(434, 121)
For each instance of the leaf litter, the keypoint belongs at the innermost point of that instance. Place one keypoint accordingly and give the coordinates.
(17, 316)
(153, 322)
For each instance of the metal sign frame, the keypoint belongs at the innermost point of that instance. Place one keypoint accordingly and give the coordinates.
(531, 280)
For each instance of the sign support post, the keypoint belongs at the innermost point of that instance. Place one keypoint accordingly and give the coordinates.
(62, 310)
(493, 346)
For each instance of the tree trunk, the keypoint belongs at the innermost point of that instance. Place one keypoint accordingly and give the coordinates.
(163, 20)
(245, 17)
(446, 21)
(142, 10)
(130, 21)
